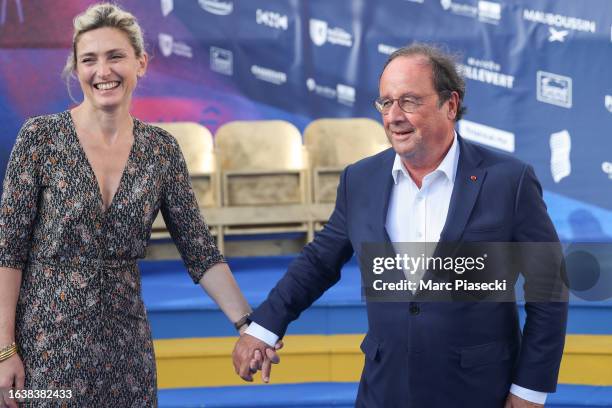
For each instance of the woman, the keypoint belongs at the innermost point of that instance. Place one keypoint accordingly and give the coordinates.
(82, 189)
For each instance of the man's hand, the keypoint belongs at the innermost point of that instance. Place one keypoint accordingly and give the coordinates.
(251, 354)
(515, 402)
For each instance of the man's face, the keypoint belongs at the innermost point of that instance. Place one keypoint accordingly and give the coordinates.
(428, 130)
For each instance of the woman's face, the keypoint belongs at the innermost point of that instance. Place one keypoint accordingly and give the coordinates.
(107, 68)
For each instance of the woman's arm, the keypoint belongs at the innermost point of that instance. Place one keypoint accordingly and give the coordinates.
(10, 281)
(220, 285)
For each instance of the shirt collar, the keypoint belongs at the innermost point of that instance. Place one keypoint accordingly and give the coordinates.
(448, 165)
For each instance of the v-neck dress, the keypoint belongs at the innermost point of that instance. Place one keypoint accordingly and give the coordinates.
(80, 322)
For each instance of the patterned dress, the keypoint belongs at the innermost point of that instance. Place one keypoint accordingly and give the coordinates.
(80, 322)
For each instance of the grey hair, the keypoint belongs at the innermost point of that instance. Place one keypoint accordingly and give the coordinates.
(446, 77)
(98, 16)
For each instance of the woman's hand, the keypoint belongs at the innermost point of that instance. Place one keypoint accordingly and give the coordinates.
(12, 375)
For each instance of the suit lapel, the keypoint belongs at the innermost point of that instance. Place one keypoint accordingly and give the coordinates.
(468, 180)
(381, 194)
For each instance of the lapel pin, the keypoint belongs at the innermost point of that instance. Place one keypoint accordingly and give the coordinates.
(473, 178)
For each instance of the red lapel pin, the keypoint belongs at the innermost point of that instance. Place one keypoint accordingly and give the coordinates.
(473, 178)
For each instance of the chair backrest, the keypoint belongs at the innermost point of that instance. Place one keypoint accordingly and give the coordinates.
(340, 142)
(259, 145)
(196, 143)
(333, 144)
(261, 162)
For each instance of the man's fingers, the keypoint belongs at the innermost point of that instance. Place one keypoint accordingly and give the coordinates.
(272, 356)
(257, 359)
(265, 370)
(245, 371)
(279, 345)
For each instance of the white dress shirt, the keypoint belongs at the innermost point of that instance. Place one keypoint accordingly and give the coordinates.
(427, 209)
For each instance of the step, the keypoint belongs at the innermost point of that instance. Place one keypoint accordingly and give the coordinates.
(179, 309)
(338, 395)
(206, 362)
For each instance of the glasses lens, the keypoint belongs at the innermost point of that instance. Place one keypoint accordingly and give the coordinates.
(382, 105)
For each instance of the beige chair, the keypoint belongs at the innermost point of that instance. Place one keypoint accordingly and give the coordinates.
(264, 183)
(333, 144)
(196, 143)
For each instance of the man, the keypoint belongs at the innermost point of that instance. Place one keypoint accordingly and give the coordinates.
(431, 186)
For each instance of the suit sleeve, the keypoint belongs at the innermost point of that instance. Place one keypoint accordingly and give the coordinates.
(544, 330)
(315, 270)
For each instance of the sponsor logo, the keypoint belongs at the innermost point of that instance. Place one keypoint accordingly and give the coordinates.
(487, 72)
(268, 75)
(606, 167)
(386, 49)
(557, 35)
(560, 147)
(486, 11)
(559, 21)
(221, 60)
(321, 33)
(344, 94)
(217, 7)
(487, 135)
(554, 89)
(166, 7)
(272, 19)
(489, 11)
(416, 1)
(168, 46)
(19, 12)
(608, 103)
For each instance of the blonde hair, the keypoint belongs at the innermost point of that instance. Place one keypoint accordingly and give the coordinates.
(98, 16)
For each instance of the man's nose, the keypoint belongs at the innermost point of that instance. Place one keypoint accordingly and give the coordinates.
(395, 112)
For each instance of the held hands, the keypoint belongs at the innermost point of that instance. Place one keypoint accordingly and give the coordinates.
(515, 402)
(11, 376)
(251, 354)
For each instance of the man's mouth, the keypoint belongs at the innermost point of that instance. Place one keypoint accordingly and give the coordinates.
(403, 133)
(105, 86)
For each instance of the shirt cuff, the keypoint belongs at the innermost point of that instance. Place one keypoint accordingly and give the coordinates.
(529, 395)
(262, 334)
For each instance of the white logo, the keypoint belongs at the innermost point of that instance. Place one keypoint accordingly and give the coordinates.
(554, 89)
(272, 19)
(416, 1)
(386, 49)
(221, 60)
(557, 35)
(560, 147)
(320, 33)
(606, 167)
(608, 102)
(557, 20)
(168, 46)
(3, 11)
(487, 135)
(487, 72)
(268, 75)
(343, 93)
(489, 11)
(461, 9)
(218, 7)
(346, 94)
(166, 7)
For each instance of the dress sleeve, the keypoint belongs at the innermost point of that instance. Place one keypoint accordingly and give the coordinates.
(18, 207)
(184, 220)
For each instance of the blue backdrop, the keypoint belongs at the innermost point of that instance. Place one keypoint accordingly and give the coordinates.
(538, 74)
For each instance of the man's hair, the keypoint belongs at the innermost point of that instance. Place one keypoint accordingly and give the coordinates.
(446, 78)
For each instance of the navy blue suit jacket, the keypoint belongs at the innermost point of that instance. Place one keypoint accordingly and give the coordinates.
(435, 354)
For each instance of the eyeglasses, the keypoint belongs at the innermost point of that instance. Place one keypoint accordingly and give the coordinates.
(407, 103)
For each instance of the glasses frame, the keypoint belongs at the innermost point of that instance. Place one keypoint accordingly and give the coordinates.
(418, 102)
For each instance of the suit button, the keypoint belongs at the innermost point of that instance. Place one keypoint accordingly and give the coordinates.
(414, 309)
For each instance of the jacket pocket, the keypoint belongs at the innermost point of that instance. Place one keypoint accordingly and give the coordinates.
(489, 353)
(370, 348)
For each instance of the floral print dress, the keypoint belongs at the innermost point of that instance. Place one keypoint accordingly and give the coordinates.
(80, 322)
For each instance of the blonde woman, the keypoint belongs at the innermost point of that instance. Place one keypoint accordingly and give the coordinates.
(81, 191)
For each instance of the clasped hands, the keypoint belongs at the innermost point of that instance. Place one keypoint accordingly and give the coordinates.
(251, 354)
